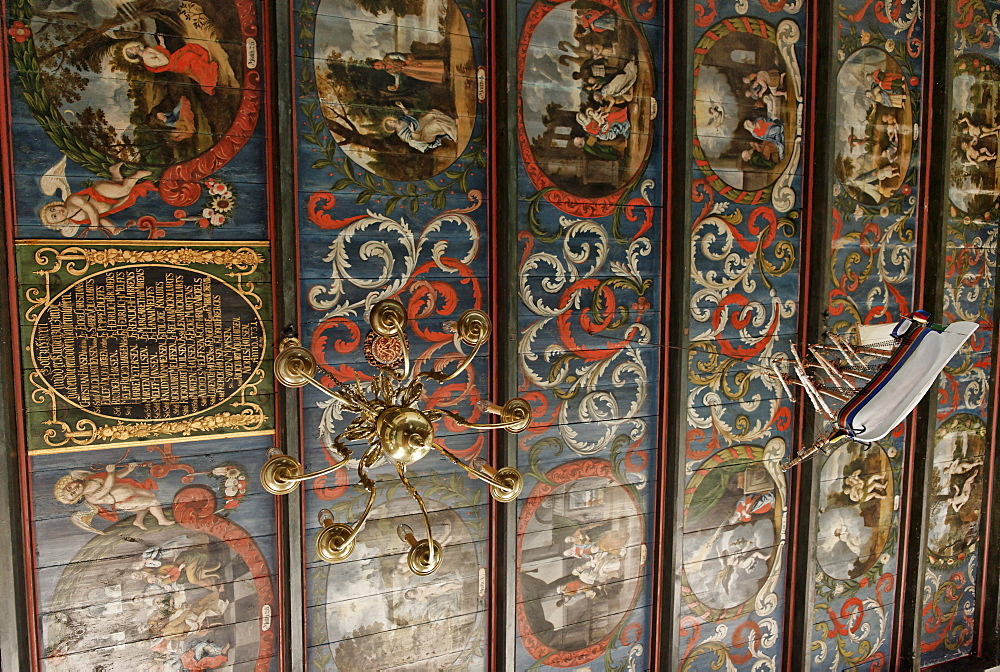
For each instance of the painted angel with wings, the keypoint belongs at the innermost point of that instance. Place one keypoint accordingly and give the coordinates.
(89, 207)
(107, 494)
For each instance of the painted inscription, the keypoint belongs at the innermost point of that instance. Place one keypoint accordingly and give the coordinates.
(148, 343)
(135, 343)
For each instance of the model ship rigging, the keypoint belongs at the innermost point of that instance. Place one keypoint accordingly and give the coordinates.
(876, 376)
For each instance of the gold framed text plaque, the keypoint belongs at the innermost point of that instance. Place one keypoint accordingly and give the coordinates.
(144, 342)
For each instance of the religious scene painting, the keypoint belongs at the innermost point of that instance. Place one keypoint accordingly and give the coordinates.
(580, 561)
(974, 184)
(732, 533)
(855, 510)
(153, 557)
(874, 127)
(396, 83)
(745, 110)
(956, 495)
(370, 609)
(586, 97)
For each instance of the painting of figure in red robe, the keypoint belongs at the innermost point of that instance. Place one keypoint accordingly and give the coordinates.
(149, 84)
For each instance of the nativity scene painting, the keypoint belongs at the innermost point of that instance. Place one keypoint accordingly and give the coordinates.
(579, 562)
(147, 84)
(586, 105)
(744, 109)
(731, 534)
(874, 127)
(396, 83)
(975, 182)
(152, 557)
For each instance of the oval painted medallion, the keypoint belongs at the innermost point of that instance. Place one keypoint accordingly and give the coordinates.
(745, 111)
(975, 186)
(956, 499)
(580, 554)
(874, 126)
(855, 510)
(585, 98)
(396, 84)
(732, 529)
(148, 84)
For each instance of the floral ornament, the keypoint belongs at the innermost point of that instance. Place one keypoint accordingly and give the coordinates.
(19, 31)
(221, 202)
(232, 484)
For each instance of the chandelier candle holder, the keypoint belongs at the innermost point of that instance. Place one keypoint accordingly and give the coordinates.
(389, 419)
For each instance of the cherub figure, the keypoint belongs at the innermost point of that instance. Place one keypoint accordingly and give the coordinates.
(864, 489)
(106, 494)
(89, 207)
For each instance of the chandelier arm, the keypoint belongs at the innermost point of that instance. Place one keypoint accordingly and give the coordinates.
(441, 376)
(316, 474)
(481, 475)
(366, 461)
(401, 470)
(475, 425)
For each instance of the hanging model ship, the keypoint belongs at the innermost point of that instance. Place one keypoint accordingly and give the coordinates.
(879, 373)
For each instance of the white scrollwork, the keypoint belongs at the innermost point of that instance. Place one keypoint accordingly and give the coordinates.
(367, 243)
(783, 196)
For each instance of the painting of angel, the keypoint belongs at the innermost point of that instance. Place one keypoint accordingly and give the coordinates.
(88, 209)
(108, 494)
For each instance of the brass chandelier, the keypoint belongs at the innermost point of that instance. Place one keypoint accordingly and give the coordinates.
(389, 419)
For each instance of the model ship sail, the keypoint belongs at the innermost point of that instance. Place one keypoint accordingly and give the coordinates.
(874, 377)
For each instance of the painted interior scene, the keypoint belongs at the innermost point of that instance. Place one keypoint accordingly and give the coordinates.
(874, 126)
(396, 83)
(149, 84)
(586, 97)
(744, 110)
(580, 554)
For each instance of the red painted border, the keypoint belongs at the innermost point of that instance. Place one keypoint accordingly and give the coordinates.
(194, 508)
(566, 473)
(10, 219)
(665, 482)
(573, 205)
(901, 641)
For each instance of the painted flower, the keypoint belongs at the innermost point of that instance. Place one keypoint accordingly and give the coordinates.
(840, 54)
(223, 204)
(217, 219)
(19, 31)
(866, 37)
(906, 189)
(890, 45)
(836, 190)
(207, 213)
(217, 188)
(884, 211)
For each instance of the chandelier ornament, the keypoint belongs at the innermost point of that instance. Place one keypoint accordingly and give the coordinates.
(396, 429)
